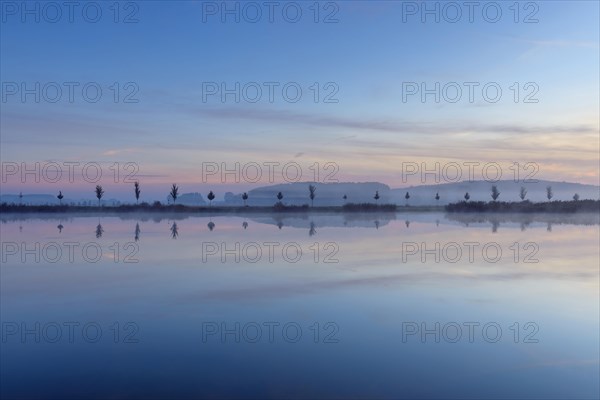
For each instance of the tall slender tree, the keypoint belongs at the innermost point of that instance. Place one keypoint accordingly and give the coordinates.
(245, 198)
(137, 191)
(99, 193)
(376, 197)
(174, 192)
(549, 193)
(467, 196)
(495, 193)
(523, 193)
(312, 189)
(60, 197)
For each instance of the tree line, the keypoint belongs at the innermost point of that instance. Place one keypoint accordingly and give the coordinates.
(174, 194)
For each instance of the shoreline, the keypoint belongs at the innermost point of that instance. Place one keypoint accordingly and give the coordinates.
(559, 207)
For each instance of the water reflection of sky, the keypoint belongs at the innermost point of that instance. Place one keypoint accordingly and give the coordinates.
(368, 294)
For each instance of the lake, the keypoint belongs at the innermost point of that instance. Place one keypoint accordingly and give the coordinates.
(399, 305)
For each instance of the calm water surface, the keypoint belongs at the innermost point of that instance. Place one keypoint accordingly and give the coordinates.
(378, 306)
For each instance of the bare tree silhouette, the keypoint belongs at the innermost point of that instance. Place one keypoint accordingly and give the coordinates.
(245, 198)
(376, 197)
(211, 197)
(549, 193)
(137, 191)
(467, 196)
(99, 193)
(60, 197)
(576, 197)
(495, 192)
(312, 189)
(523, 193)
(174, 193)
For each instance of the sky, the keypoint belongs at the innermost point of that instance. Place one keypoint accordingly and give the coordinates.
(171, 91)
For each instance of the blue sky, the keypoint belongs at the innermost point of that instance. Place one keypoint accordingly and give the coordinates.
(366, 57)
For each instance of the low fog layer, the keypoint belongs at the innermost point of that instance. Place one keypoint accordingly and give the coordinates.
(338, 194)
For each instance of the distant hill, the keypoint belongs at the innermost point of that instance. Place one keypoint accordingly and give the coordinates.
(33, 199)
(49, 199)
(331, 194)
(327, 194)
(481, 191)
(191, 199)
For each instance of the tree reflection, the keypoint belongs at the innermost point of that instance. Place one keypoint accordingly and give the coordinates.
(99, 231)
(174, 230)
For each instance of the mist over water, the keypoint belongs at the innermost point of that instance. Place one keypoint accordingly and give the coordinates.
(364, 199)
(366, 305)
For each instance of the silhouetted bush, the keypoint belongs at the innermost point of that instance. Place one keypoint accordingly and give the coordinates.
(368, 207)
(279, 207)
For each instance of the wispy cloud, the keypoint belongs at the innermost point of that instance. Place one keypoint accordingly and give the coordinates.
(114, 152)
(390, 126)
